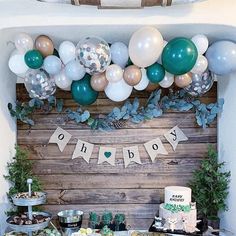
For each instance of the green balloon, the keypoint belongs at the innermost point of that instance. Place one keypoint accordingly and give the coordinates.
(155, 73)
(34, 59)
(179, 56)
(82, 91)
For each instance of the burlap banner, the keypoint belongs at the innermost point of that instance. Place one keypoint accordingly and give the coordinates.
(107, 154)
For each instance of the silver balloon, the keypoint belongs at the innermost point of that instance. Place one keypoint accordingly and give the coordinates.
(94, 54)
(39, 84)
(200, 84)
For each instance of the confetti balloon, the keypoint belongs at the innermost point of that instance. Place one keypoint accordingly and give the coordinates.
(39, 84)
(200, 84)
(94, 54)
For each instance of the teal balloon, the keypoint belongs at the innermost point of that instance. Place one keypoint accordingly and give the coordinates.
(82, 92)
(34, 59)
(155, 73)
(179, 56)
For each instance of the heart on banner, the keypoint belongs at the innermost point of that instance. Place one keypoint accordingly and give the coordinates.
(107, 154)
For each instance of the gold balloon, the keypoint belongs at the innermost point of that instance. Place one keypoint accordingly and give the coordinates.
(183, 81)
(132, 75)
(45, 45)
(99, 82)
(151, 87)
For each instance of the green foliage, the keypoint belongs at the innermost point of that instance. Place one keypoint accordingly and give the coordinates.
(19, 170)
(154, 108)
(174, 208)
(210, 186)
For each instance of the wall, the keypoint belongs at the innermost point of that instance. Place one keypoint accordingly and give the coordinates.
(7, 126)
(137, 190)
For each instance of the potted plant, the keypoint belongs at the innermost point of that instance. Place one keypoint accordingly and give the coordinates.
(210, 188)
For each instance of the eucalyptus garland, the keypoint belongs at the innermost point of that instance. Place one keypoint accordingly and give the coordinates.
(155, 106)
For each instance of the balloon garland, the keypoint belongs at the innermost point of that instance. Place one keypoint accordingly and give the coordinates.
(94, 66)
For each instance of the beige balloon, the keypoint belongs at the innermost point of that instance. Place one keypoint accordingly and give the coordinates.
(152, 87)
(45, 45)
(183, 81)
(132, 75)
(99, 82)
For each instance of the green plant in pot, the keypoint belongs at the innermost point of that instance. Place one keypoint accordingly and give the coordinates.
(210, 188)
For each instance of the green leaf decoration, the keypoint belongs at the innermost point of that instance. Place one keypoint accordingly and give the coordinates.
(155, 107)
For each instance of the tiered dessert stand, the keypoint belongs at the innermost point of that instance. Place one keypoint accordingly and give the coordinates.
(34, 222)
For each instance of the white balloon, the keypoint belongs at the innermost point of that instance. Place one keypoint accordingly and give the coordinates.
(201, 42)
(200, 66)
(67, 51)
(23, 42)
(118, 91)
(52, 64)
(143, 82)
(62, 81)
(119, 54)
(167, 81)
(164, 44)
(74, 70)
(114, 73)
(145, 46)
(17, 64)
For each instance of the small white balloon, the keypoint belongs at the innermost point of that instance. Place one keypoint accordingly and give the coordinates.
(23, 42)
(119, 54)
(200, 66)
(143, 82)
(114, 73)
(201, 42)
(17, 64)
(62, 81)
(118, 91)
(52, 64)
(67, 51)
(167, 81)
(74, 70)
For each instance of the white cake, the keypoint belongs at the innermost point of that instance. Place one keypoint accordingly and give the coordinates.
(177, 210)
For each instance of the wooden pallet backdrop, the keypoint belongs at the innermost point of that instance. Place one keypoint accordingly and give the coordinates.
(137, 190)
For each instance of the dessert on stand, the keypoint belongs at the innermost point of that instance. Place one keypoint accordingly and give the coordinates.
(29, 221)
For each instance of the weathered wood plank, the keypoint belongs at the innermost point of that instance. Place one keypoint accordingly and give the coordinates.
(78, 165)
(124, 136)
(136, 211)
(112, 181)
(105, 196)
(51, 151)
(168, 120)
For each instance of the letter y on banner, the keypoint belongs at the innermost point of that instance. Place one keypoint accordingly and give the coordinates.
(61, 138)
(174, 136)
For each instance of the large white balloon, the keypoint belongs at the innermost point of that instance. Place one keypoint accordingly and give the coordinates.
(62, 81)
(200, 66)
(167, 81)
(164, 44)
(114, 73)
(17, 64)
(201, 42)
(145, 46)
(119, 54)
(23, 42)
(118, 91)
(143, 82)
(52, 64)
(74, 70)
(67, 51)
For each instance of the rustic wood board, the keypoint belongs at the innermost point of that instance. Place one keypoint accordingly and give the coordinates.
(137, 190)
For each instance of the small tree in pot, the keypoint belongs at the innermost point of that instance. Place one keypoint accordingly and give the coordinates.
(210, 188)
